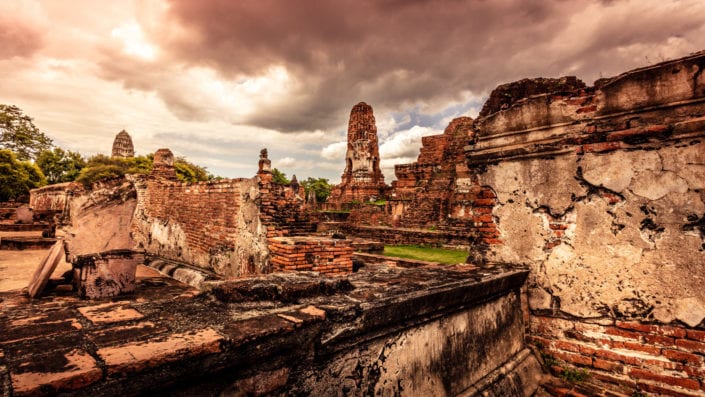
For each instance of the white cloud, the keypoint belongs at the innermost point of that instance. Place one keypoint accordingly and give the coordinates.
(406, 142)
(285, 162)
(334, 151)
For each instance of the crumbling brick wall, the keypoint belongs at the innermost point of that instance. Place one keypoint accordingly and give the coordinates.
(439, 193)
(214, 225)
(601, 191)
(282, 208)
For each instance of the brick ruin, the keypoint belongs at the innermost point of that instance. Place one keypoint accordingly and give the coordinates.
(582, 208)
(362, 179)
(600, 191)
(122, 145)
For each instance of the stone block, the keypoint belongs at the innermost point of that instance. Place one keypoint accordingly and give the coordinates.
(106, 274)
(24, 215)
(45, 269)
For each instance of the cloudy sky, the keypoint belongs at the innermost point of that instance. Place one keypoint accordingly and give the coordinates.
(216, 81)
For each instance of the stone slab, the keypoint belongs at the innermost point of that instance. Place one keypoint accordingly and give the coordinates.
(58, 372)
(108, 313)
(137, 356)
(45, 269)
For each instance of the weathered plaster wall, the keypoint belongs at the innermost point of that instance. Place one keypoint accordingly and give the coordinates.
(101, 219)
(444, 357)
(54, 197)
(212, 225)
(601, 192)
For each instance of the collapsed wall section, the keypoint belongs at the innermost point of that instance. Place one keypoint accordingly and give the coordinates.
(602, 192)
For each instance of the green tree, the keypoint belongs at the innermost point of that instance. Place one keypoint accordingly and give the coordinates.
(103, 167)
(189, 172)
(19, 134)
(279, 177)
(59, 165)
(17, 177)
(320, 186)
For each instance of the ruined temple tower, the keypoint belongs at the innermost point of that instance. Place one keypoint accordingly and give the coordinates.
(122, 145)
(362, 179)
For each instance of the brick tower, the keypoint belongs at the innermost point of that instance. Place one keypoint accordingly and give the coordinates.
(362, 179)
(122, 145)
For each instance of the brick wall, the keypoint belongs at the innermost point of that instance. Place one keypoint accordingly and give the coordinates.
(599, 190)
(439, 193)
(324, 255)
(282, 209)
(214, 225)
(627, 355)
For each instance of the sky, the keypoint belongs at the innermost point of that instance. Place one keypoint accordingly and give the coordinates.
(216, 81)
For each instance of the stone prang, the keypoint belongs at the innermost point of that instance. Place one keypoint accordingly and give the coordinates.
(362, 179)
(122, 145)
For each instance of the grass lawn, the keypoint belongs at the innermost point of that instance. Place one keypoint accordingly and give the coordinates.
(431, 254)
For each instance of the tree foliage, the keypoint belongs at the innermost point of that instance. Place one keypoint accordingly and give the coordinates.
(19, 134)
(279, 177)
(189, 172)
(320, 186)
(60, 165)
(101, 167)
(17, 177)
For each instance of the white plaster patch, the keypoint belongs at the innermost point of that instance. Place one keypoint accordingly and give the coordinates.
(690, 311)
(653, 185)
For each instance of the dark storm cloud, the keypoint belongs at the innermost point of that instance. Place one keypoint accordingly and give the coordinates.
(393, 54)
(17, 39)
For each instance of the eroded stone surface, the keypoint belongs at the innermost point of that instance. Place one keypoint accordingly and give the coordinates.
(57, 372)
(164, 338)
(110, 313)
(135, 357)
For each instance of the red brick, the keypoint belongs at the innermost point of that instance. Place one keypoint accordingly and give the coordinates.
(637, 132)
(683, 357)
(599, 147)
(483, 219)
(696, 372)
(623, 333)
(653, 328)
(669, 380)
(660, 389)
(608, 378)
(607, 365)
(659, 340)
(567, 346)
(636, 346)
(691, 345)
(574, 358)
(696, 335)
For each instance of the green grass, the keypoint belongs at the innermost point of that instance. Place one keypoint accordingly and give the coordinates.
(430, 254)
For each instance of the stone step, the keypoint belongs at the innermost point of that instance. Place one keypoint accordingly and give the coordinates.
(23, 227)
(25, 243)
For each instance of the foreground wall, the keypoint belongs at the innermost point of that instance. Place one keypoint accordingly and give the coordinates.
(438, 331)
(601, 191)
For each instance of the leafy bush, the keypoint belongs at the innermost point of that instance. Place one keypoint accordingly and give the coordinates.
(18, 177)
(101, 167)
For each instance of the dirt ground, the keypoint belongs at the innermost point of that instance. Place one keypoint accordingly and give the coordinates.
(17, 268)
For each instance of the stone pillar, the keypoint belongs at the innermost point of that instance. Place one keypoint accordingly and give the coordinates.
(265, 164)
(164, 165)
